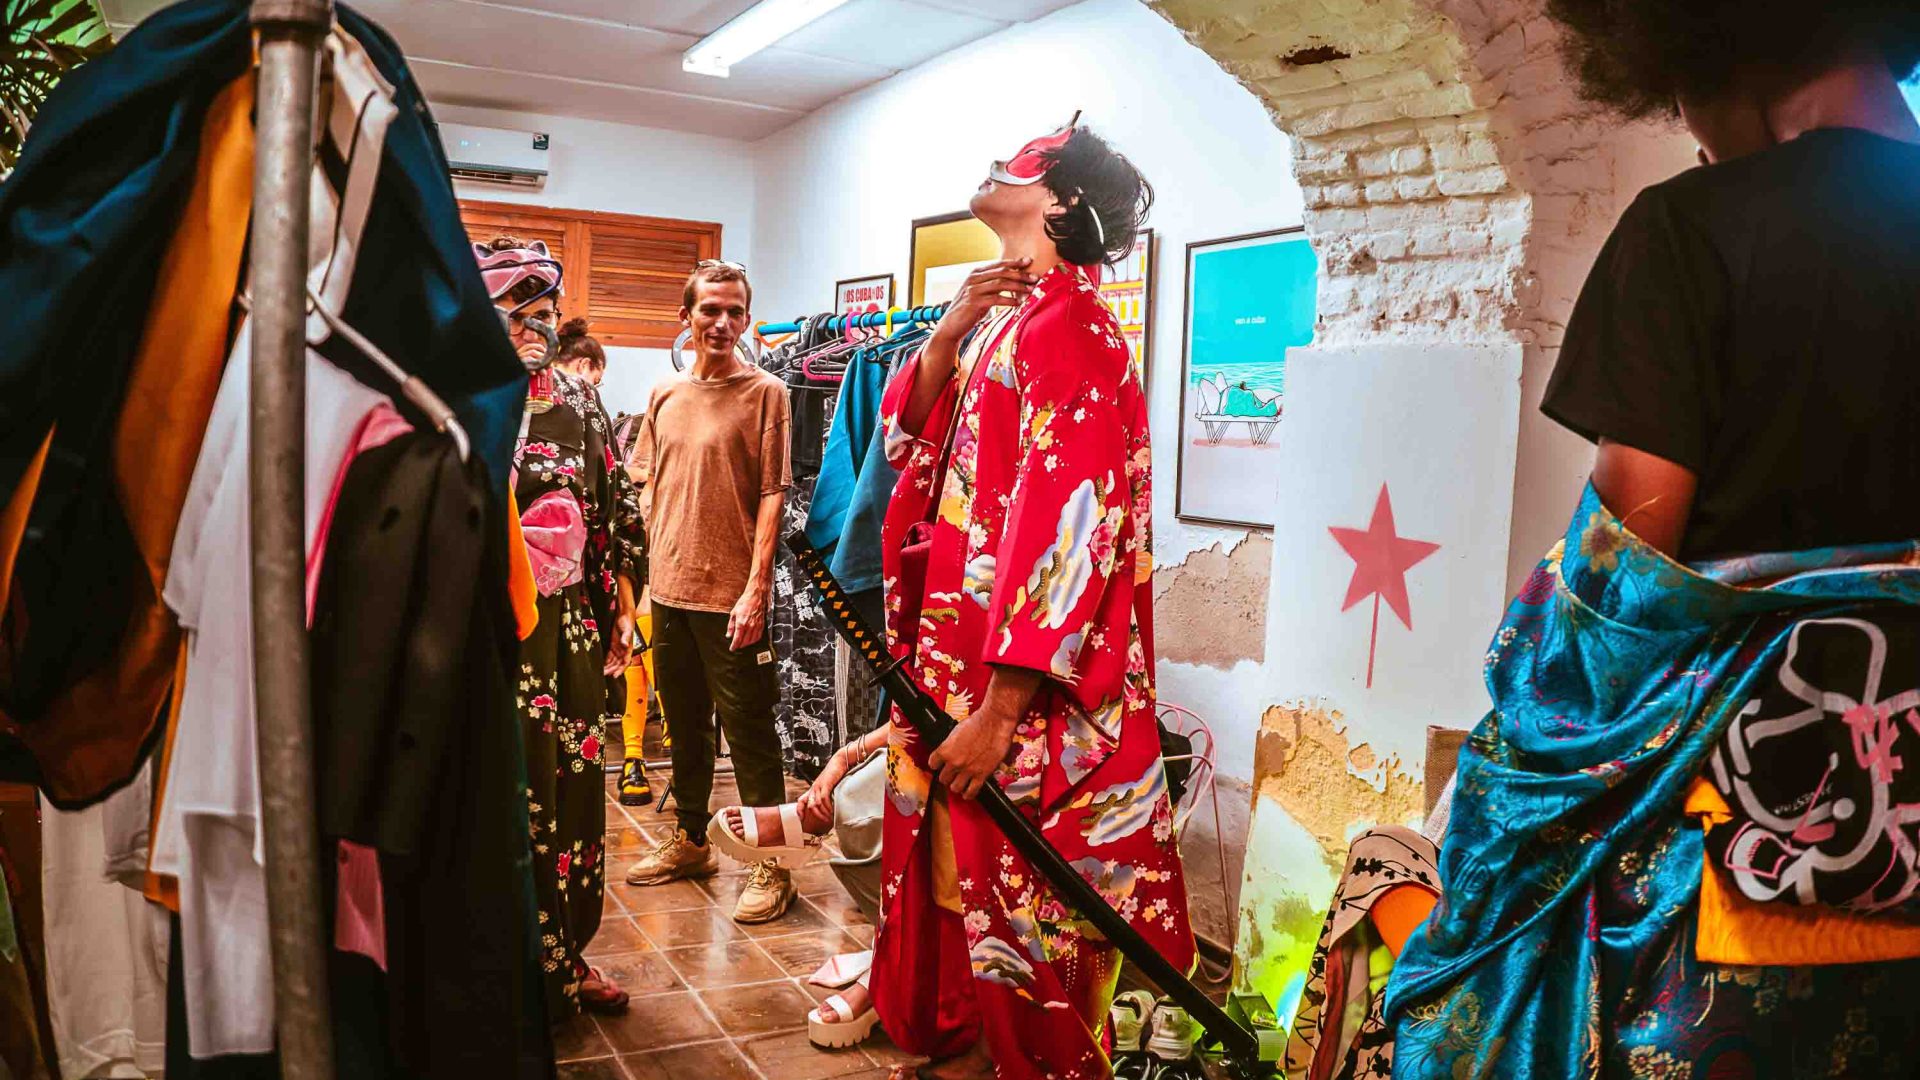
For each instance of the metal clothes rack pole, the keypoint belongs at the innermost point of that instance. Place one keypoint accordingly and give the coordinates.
(924, 314)
(290, 35)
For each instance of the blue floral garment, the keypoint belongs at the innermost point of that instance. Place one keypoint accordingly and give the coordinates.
(1564, 942)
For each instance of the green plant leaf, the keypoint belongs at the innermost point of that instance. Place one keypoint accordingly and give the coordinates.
(40, 41)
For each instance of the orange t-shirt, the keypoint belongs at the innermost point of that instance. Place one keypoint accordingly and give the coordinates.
(708, 451)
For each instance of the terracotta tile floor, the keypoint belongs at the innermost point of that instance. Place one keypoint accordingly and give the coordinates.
(712, 1000)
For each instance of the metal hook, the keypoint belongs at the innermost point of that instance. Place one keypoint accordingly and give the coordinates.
(437, 411)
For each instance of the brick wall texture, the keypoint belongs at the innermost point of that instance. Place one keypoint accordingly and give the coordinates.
(1456, 188)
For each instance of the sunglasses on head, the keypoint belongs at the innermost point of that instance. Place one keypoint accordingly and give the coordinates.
(704, 263)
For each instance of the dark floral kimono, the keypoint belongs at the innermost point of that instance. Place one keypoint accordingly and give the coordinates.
(569, 450)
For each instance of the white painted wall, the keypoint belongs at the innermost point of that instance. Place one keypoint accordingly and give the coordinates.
(627, 169)
(833, 196)
(837, 193)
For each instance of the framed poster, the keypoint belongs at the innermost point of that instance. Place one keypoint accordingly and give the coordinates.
(863, 295)
(1128, 290)
(943, 251)
(1249, 300)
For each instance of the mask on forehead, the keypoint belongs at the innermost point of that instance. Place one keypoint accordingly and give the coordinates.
(1034, 159)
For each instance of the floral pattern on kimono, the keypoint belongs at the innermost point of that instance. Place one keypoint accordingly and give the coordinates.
(1339, 1032)
(1041, 559)
(1565, 942)
(562, 690)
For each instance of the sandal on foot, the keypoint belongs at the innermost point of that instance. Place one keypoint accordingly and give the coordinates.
(792, 848)
(598, 994)
(845, 1029)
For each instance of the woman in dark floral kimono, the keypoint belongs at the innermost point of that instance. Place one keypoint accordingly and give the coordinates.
(582, 525)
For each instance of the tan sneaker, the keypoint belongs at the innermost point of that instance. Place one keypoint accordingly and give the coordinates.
(675, 858)
(768, 895)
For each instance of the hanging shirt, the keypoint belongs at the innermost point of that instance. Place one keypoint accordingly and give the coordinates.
(208, 835)
(855, 417)
(106, 953)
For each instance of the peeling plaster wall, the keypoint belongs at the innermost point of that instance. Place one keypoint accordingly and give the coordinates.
(1211, 610)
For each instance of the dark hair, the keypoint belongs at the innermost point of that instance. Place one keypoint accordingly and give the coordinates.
(1640, 56)
(715, 270)
(528, 287)
(1090, 177)
(576, 345)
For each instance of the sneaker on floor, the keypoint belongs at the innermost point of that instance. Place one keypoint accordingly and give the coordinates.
(768, 895)
(1127, 1018)
(675, 858)
(634, 789)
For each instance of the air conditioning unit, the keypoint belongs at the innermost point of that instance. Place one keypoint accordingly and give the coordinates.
(495, 156)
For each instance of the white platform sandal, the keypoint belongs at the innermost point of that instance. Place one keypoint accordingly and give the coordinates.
(794, 848)
(847, 1029)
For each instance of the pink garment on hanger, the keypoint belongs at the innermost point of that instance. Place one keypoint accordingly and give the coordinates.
(360, 915)
(360, 922)
(382, 424)
(556, 533)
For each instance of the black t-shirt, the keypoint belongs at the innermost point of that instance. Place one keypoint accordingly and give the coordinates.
(1758, 321)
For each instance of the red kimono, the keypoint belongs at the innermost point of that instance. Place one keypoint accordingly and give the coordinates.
(1041, 559)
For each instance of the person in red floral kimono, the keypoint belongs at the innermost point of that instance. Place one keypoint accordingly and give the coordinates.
(1035, 629)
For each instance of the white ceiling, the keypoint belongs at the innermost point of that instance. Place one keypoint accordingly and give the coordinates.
(619, 60)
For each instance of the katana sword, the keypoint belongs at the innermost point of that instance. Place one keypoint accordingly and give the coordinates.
(1240, 1044)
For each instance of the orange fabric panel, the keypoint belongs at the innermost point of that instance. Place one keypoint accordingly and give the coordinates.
(164, 889)
(1736, 930)
(92, 736)
(521, 591)
(1399, 912)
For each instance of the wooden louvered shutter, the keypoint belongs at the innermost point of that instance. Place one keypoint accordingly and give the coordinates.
(639, 269)
(623, 272)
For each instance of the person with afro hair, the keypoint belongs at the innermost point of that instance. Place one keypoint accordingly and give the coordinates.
(1745, 355)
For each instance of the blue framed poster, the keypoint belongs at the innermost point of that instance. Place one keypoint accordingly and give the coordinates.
(1249, 300)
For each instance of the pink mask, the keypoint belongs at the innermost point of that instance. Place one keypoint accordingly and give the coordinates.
(1034, 159)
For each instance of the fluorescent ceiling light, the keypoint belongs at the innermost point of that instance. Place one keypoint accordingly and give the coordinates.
(750, 31)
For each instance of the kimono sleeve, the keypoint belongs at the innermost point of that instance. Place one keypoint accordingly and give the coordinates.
(627, 555)
(1070, 495)
(629, 531)
(903, 446)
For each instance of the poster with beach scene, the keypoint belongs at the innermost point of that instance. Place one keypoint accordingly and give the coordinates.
(1249, 300)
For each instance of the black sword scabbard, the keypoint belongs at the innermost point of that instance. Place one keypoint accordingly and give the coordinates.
(934, 725)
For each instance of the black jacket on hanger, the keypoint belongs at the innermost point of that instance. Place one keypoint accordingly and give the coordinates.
(419, 756)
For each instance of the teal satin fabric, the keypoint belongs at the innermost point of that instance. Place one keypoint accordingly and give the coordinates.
(1563, 946)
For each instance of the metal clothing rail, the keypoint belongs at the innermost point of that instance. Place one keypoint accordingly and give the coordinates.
(290, 33)
(926, 313)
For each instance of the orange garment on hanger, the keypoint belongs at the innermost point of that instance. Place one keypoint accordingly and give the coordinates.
(164, 889)
(1736, 930)
(521, 591)
(94, 734)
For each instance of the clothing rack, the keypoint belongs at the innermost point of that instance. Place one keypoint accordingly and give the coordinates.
(290, 36)
(926, 313)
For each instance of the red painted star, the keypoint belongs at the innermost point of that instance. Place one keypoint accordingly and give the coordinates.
(1381, 559)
